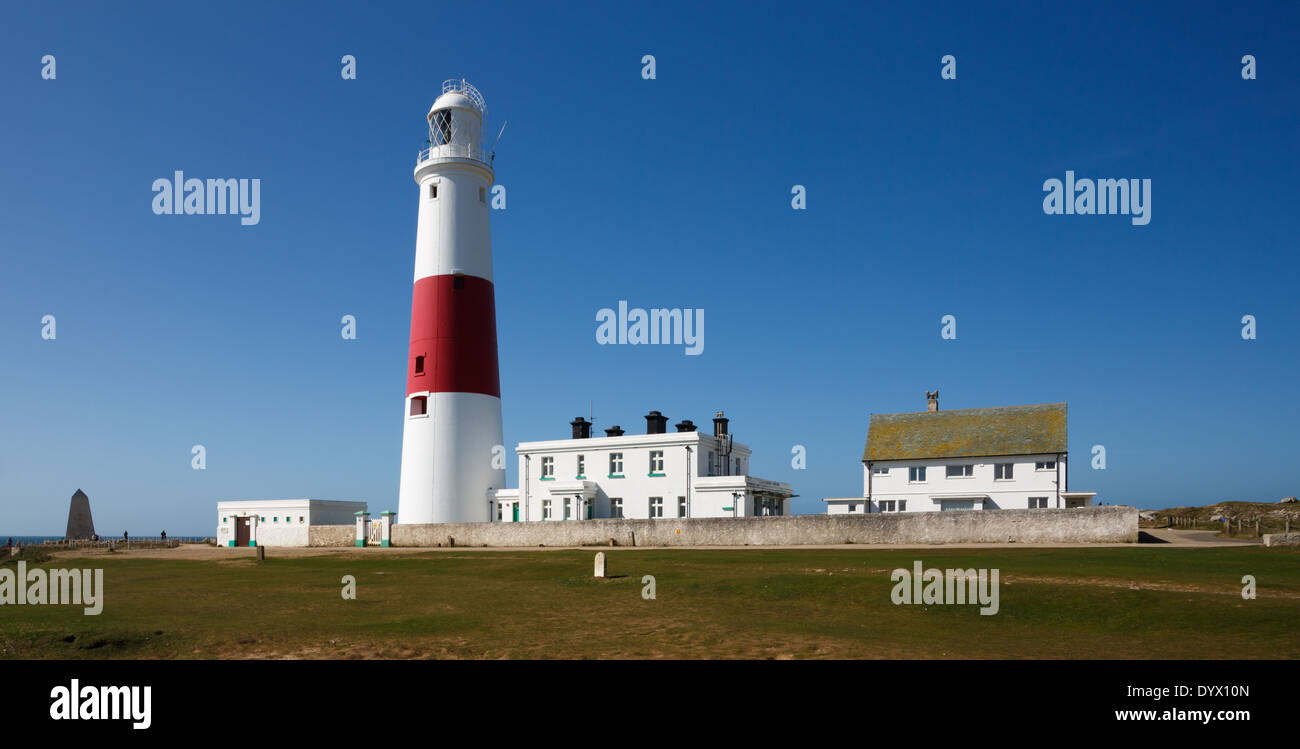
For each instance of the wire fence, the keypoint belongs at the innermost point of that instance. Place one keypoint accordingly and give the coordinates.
(130, 542)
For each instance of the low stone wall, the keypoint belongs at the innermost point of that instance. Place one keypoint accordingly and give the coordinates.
(331, 535)
(1115, 524)
(1282, 539)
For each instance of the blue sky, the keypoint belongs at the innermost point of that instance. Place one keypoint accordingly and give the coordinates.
(924, 199)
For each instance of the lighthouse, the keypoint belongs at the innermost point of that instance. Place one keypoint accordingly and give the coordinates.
(451, 435)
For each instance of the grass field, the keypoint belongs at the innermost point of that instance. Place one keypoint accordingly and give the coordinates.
(1138, 602)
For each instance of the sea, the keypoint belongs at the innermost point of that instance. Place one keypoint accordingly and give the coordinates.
(28, 540)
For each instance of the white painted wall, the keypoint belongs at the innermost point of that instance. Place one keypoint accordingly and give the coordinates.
(460, 430)
(685, 475)
(283, 522)
(1012, 494)
(846, 506)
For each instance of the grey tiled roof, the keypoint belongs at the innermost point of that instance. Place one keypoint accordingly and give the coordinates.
(971, 432)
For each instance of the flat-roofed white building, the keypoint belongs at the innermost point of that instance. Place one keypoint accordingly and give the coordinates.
(1002, 458)
(659, 474)
(279, 522)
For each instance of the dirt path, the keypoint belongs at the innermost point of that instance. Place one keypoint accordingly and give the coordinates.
(1175, 537)
(204, 552)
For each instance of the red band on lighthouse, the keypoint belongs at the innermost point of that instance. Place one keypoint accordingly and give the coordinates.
(454, 330)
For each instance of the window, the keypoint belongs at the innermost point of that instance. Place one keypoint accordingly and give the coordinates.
(300, 519)
(853, 508)
(710, 473)
(1038, 503)
(458, 281)
(582, 466)
(433, 191)
(546, 509)
(737, 471)
(548, 467)
(957, 472)
(902, 505)
(616, 507)
(1045, 465)
(656, 507)
(1003, 471)
(916, 475)
(656, 462)
(223, 520)
(568, 509)
(419, 364)
(879, 471)
(887, 505)
(275, 518)
(681, 507)
(616, 465)
(442, 121)
(419, 405)
(482, 195)
(498, 513)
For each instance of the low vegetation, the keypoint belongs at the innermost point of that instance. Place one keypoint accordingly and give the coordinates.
(1241, 517)
(1136, 602)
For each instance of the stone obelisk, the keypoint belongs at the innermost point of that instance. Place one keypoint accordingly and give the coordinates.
(80, 524)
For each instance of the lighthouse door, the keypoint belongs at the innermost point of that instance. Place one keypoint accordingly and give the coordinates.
(242, 531)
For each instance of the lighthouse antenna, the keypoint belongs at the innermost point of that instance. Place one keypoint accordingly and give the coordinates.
(494, 145)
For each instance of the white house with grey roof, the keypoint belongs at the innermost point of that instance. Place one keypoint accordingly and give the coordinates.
(1002, 458)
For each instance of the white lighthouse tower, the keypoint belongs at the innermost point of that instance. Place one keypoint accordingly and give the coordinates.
(452, 428)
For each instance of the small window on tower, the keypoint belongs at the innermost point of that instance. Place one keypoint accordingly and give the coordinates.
(419, 364)
(433, 191)
(458, 281)
(419, 405)
(482, 195)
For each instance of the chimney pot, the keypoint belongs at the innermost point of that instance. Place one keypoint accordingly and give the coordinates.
(581, 428)
(685, 425)
(720, 425)
(655, 423)
(614, 431)
(932, 401)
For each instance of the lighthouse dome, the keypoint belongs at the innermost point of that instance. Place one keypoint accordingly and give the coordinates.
(460, 94)
(453, 100)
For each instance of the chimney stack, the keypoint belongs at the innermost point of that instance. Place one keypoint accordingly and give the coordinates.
(614, 431)
(655, 423)
(685, 425)
(932, 401)
(720, 425)
(581, 428)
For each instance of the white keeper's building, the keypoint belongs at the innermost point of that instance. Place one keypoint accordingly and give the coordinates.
(279, 522)
(1003, 458)
(659, 474)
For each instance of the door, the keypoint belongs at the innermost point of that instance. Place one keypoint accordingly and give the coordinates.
(514, 511)
(243, 530)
